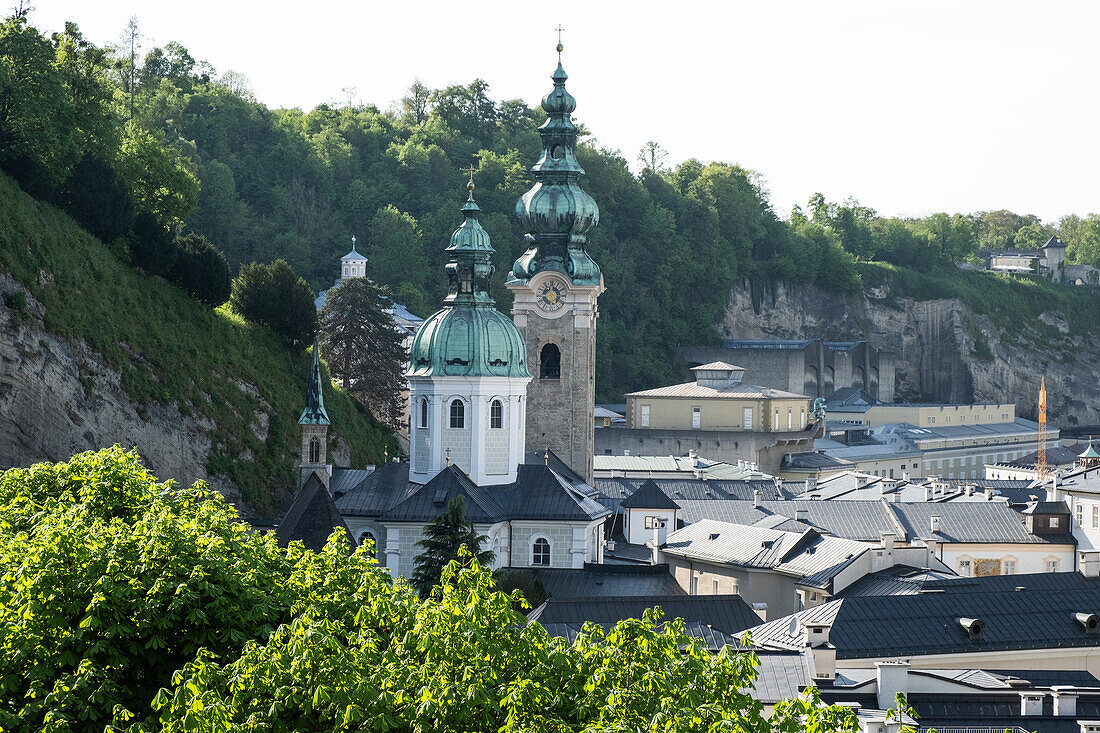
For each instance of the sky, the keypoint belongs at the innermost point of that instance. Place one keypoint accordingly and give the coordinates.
(909, 107)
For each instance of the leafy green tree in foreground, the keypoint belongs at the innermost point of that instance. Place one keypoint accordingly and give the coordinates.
(111, 581)
(274, 296)
(444, 537)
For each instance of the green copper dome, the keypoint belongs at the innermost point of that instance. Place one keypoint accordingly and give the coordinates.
(556, 213)
(469, 337)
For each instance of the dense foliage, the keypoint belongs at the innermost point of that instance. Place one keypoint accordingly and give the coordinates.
(294, 185)
(444, 537)
(363, 349)
(111, 582)
(273, 296)
(170, 350)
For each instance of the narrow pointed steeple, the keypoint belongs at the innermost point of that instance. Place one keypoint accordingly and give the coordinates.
(314, 412)
(470, 263)
(557, 214)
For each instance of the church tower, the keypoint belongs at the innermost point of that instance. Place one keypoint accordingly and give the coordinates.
(556, 285)
(468, 372)
(314, 424)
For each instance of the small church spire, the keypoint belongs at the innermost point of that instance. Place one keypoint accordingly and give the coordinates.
(314, 412)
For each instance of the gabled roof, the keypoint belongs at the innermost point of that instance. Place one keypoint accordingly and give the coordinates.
(1054, 243)
(431, 500)
(970, 522)
(728, 614)
(312, 517)
(717, 366)
(1047, 507)
(375, 493)
(854, 520)
(605, 580)
(927, 623)
(649, 496)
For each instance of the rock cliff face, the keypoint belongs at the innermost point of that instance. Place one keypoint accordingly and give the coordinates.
(944, 350)
(59, 397)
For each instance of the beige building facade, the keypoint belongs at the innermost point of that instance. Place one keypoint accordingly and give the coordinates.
(924, 416)
(717, 400)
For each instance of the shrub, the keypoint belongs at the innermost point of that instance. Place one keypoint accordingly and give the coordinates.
(275, 297)
(201, 269)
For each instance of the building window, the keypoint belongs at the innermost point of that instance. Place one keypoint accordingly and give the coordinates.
(775, 423)
(790, 418)
(747, 419)
(314, 450)
(645, 416)
(345, 271)
(696, 416)
(550, 362)
(424, 412)
(1051, 565)
(964, 567)
(1009, 567)
(1054, 522)
(714, 585)
(653, 522)
(802, 423)
(458, 414)
(496, 414)
(540, 552)
(734, 582)
(1080, 514)
(1096, 516)
(367, 536)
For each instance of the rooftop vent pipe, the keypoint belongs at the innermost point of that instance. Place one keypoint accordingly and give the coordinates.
(934, 523)
(974, 627)
(1090, 621)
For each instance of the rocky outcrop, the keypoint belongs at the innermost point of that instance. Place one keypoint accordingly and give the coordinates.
(944, 350)
(59, 397)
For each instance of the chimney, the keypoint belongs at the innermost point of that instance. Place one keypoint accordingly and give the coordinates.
(989, 493)
(888, 541)
(824, 663)
(934, 523)
(761, 610)
(815, 634)
(905, 476)
(970, 489)
(928, 491)
(1055, 492)
(811, 485)
(1089, 726)
(1065, 700)
(693, 455)
(756, 498)
(1089, 621)
(893, 677)
(1031, 703)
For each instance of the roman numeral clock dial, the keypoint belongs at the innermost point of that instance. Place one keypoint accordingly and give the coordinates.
(550, 296)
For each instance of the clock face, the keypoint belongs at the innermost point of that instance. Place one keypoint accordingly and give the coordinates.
(550, 295)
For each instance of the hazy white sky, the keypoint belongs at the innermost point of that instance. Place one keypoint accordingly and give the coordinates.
(911, 107)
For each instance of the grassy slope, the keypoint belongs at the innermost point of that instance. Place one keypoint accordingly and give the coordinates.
(170, 348)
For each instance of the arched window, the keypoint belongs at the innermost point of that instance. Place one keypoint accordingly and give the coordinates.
(458, 414)
(550, 362)
(496, 414)
(314, 450)
(367, 535)
(540, 552)
(424, 412)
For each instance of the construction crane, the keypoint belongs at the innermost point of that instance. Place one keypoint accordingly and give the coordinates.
(1042, 462)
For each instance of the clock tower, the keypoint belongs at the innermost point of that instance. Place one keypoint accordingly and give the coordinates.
(556, 284)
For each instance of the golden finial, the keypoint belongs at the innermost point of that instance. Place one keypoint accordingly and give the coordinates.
(559, 29)
(470, 184)
(546, 457)
(448, 456)
(386, 453)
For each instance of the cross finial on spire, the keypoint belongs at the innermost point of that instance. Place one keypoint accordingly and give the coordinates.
(470, 183)
(353, 241)
(546, 457)
(560, 30)
(448, 456)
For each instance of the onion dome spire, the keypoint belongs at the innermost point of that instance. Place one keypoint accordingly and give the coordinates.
(471, 257)
(556, 213)
(469, 336)
(314, 413)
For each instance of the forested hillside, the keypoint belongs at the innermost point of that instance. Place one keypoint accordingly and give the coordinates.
(672, 242)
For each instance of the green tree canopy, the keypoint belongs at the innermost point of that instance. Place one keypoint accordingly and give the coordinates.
(275, 297)
(200, 268)
(444, 536)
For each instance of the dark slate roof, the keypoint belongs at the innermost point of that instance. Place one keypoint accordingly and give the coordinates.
(539, 492)
(649, 496)
(900, 580)
(1047, 507)
(969, 521)
(375, 493)
(813, 459)
(431, 500)
(691, 488)
(712, 640)
(926, 623)
(847, 397)
(609, 580)
(728, 614)
(1057, 455)
(312, 517)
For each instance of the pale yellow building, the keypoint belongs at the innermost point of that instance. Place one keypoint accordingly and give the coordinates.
(717, 400)
(923, 416)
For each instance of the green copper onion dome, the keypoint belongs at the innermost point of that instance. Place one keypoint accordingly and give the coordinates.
(556, 213)
(469, 337)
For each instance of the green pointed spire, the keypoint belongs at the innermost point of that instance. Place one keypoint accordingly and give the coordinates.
(556, 213)
(314, 413)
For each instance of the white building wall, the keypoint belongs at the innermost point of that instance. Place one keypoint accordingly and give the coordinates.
(1029, 558)
(635, 529)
